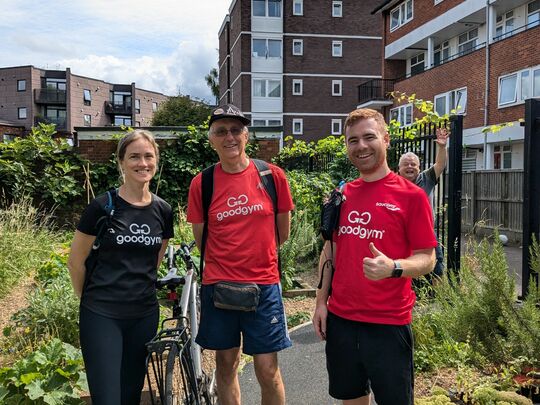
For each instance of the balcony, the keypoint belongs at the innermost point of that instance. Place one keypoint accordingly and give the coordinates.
(49, 96)
(375, 93)
(113, 109)
(515, 31)
(60, 122)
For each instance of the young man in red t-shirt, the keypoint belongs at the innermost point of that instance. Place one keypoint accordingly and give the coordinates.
(385, 238)
(241, 247)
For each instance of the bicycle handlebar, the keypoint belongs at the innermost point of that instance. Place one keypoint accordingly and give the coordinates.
(172, 280)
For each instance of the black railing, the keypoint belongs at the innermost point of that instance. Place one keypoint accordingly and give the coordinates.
(375, 90)
(60, 122)
(111, 108)
(49, 96)
(517, 30)
(461, 53)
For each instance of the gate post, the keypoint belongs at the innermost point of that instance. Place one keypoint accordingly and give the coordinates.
(531, 187)
(455, 151)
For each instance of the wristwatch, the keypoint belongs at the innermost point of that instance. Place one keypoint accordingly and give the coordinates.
(398, 270)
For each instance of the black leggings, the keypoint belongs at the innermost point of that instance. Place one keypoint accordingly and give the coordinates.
(114, 355)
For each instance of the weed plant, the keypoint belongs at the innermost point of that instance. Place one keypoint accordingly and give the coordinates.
(26, 240)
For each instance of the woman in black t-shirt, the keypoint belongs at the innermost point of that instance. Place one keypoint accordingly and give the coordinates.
(119, 311)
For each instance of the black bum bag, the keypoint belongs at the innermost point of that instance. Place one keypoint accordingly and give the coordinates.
(236, 296)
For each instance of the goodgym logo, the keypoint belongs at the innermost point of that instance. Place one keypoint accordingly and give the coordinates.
(139, 234)
(357, 226)
(239, 206)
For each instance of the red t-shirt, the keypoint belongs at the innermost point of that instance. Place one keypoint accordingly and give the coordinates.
(395, 215)
(241, 244)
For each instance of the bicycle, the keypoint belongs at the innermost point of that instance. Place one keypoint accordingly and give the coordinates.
(174, 360)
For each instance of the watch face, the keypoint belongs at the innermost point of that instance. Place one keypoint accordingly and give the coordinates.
(397, 273)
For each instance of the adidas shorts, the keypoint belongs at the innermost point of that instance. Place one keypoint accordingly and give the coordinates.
(263, 331)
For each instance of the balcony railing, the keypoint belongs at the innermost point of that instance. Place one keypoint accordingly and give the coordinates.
(49, 96)
(375, 90)
(517, 30)
(111, 108)
(60, 122)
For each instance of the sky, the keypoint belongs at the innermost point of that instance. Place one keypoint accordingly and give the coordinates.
(166, 46)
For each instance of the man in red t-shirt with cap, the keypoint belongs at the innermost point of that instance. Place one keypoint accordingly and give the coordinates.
(241, 248)
(384, 239)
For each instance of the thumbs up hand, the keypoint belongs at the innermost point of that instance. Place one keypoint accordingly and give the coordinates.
(378, 267)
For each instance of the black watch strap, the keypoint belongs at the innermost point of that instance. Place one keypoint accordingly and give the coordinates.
(398, 270)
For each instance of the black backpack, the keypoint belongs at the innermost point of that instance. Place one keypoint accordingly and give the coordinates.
(102, 224)
(207, 187)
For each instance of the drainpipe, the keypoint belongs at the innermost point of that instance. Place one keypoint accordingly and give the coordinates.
(487, 90)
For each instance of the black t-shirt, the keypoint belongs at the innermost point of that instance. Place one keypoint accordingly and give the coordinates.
(122, 284)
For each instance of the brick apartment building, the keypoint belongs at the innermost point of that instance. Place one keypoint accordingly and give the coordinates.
(483, 60)
(29, 95)
(297, 63)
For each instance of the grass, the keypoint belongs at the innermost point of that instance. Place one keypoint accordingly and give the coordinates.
(26, 240)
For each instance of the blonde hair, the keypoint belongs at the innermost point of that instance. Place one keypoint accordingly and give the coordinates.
(364, 114)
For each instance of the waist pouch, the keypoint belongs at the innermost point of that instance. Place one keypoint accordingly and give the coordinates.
(236, 296)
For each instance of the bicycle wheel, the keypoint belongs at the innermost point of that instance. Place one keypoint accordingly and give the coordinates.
(180, 382)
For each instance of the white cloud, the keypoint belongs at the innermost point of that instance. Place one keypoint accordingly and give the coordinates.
(164, 45)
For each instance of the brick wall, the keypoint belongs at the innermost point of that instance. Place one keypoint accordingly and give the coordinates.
(11, 130)
(423, 11)
(99, 91)
(268, 148)
(11, 99)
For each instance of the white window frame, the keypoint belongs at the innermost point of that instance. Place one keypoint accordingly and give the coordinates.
(267, 48)
(21, 85)
(339, 122)
(338, 83)
(505, 18)
(300, 3)
(437, 2)
(337, 5)
(402, 18)
(337, 45)
(300, 122)
(503, 151)
(402, 115)
(473, 40)
(266, 88)
(301, 43)
(450, 96)
(300, 82)
(536, 21)
(523, 88)
(266, 13)
(87, 122)
(22, 113)
(419, 61)
(137, 106)
(154, 106)
(265, 122)
(442, 48)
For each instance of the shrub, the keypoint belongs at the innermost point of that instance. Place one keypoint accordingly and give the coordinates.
(53, 374)
(26, 239)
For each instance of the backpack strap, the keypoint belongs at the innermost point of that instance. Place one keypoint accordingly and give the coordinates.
(267, 179)
(104, 222)
(207, 188)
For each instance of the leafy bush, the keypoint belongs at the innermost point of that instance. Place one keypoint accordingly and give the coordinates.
(26, 239)
(53, 374)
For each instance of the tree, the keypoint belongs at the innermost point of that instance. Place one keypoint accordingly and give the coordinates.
(212, 80)
(181, 111)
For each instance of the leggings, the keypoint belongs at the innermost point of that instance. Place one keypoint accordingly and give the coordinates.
(114, 355)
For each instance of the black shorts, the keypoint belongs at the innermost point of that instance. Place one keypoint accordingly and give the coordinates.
(360, 356)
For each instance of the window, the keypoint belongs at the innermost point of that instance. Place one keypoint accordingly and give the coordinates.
(417, 64)
(454, 102)
(87, 97)
(21, 85)
(55, 84)
(401, 15)
(467, 42)
(441, 53)
(505, 24)
(122, 120)
(337, 9)
(87, 120)
(266, 123)
(154, 106)
(297, 47)
(266, 88)
(502, 157)
(402, 114)
(336, 127)
(336, 87)
(137, 106)
(297, 87)
(533, 13)
(337, 49)
(266, 48)
(298, 7)
(137, 123)
(266, 8)
(22, 113)
(297, 126)
(519, 86)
